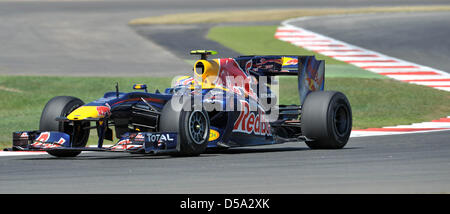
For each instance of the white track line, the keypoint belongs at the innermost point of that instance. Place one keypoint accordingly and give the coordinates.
(375, 62)
(358, 133)
(366, 59)
(441, 124)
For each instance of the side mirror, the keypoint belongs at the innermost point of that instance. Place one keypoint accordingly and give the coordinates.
(140, 87)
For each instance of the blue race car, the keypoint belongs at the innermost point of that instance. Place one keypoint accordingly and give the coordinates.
(228, 102)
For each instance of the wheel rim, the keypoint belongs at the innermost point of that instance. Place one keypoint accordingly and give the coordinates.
(198, 127)
(341, 121)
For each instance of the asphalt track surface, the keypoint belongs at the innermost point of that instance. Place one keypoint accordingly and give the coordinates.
(412, 163)
(421, 37)
(92, 38)
(181, 39)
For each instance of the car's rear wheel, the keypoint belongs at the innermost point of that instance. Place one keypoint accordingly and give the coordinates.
(61, 106)
(326, 120)
(191, 125)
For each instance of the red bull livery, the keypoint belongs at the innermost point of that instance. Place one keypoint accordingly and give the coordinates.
(227, 102)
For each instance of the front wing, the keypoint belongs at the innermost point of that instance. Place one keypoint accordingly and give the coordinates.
(140, 142)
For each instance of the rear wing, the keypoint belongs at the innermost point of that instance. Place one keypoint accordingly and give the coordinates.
(310, 72)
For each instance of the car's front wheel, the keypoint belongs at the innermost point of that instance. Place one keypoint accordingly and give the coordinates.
(61, 106)
(191, 124)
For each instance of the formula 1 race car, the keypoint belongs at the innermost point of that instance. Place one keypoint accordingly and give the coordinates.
(228, 102)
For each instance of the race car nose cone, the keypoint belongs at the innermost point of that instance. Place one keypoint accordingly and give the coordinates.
(85, 112)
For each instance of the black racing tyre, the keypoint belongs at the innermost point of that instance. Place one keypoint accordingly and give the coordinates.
(191, 125)
(326, 120)
(62, 106)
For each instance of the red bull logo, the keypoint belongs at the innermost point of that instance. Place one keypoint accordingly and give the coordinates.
(292, 61)
(125, 144)
(41, 141)
(231, 76)
(313, 79)
(43, 137)
(251, 122)
(103, 111)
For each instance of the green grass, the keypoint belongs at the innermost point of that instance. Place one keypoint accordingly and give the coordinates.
(380, 102)
(274, 14)
(259, 40)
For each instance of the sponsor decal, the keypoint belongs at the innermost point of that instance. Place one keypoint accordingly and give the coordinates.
(213, 135)
(160, 141)
(61, 141)
(290, 61)
(251, 122)
(313, 78)
(41, 141)
(103, 111)
(267, 64)
(43, 137)
(139, 137)
(158, 138)
(232, 77)
(24, 135)
(248, 66)
(125, 144)
(183, 81)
